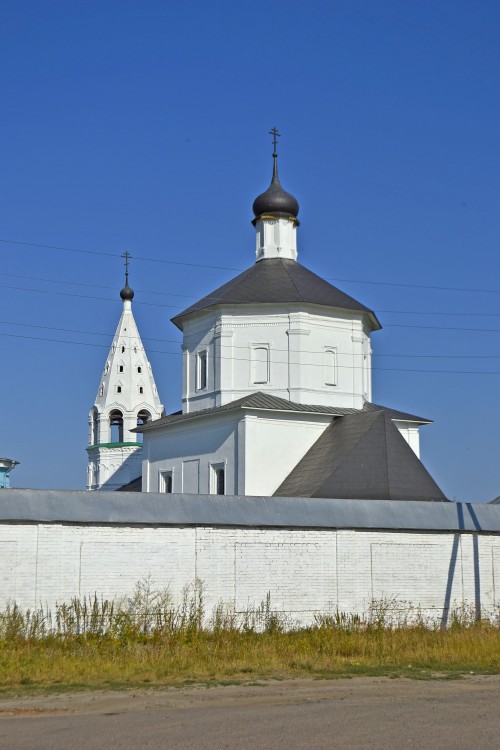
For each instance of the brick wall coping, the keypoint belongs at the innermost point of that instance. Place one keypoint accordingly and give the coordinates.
(154, 509)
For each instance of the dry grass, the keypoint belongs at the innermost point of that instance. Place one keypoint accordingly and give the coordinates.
(146, 641)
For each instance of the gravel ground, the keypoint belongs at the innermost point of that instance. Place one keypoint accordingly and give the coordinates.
(347, 713)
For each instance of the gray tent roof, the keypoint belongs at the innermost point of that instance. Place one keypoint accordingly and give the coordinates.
(134, 486)
(265, 401)
(361, 456)
(276, 280)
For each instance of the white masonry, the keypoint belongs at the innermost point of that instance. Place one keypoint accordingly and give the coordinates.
(127, 396)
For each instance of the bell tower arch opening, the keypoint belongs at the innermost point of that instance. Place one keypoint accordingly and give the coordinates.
(116, 426)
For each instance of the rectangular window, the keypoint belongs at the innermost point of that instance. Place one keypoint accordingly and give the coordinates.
(166, 481)
(218, 479)
(260, 363)
(330, 366)
(201, 374)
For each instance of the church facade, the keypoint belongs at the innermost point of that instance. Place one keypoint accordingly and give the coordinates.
(276, 390)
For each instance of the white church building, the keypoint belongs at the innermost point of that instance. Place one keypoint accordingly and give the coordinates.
(276, 390)
(277, 480)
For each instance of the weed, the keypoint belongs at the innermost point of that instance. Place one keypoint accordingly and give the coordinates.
(147, 639)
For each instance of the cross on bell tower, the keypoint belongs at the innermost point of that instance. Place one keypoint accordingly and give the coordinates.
(126, 255)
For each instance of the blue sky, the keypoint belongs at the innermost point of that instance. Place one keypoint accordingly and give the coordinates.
(143, 126)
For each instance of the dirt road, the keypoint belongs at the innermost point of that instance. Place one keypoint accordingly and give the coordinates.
(375, 713)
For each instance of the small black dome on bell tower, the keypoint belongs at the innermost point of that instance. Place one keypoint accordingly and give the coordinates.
(127, 294)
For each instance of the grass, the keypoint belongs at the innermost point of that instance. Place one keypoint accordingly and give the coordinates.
(146, 641)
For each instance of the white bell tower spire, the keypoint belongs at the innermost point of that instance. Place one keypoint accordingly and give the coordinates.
(126, 397)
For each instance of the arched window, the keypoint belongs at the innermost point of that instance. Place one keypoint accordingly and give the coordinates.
(116, 425)
(142, 418)
(95, 427)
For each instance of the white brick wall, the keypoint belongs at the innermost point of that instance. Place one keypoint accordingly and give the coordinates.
(305, 571)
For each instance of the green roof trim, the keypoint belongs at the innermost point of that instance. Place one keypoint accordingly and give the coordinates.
(113, 445)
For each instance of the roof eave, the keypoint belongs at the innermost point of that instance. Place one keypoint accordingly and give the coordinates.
(178, 320)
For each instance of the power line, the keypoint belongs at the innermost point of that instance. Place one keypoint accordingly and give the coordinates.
(479, 290)
(276, 362)
(93, 286)
(176, 307)
(191, 296)
(245, 346)
(118, 255)
(80, 296)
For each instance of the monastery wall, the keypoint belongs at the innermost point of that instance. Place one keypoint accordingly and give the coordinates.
(312, 556)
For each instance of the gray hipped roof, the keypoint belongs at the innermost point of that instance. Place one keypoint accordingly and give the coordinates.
(361, 456)
(276, 280)
(268, 402)
(134, 486)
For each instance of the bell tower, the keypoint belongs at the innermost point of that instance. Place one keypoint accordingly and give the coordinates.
(126, 397)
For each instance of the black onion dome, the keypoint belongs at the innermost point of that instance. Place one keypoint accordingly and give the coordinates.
(275, 200)
(127, 294)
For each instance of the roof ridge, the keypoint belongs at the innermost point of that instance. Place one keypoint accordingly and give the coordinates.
(291, 278)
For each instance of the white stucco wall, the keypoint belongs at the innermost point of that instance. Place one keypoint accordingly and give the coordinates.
(209, 441)
(257, 449)
(411, 433)
(306, 571)
(296, 338)
(274, 445)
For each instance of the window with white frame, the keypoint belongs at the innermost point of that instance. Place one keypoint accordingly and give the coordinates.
(260, 363)
(218, 479)
(166, 481)
(201, 370)
(330, 365)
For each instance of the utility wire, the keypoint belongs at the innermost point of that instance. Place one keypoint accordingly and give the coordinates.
(275, 362)
(176, 307)
(244, 346)
(191, 296)
(480, 290)
(119, 255)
